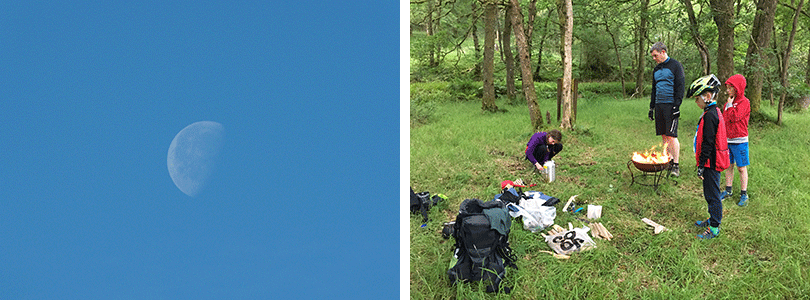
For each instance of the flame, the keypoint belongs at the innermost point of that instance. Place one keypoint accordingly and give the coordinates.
(653, 157)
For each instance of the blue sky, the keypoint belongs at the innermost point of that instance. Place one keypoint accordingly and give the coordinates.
(305, 201)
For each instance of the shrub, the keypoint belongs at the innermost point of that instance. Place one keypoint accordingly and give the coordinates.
(429, 92)
(424, 99)
(464, 89)
(797, 98)
(422, 113)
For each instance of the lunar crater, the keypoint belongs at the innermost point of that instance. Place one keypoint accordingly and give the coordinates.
(194, 154)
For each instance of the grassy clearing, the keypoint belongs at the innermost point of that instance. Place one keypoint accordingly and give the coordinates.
(760, 254)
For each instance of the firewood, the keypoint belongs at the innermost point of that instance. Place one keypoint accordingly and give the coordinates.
(595, 231)
(603, 231)
(610, 235)
(657, 227)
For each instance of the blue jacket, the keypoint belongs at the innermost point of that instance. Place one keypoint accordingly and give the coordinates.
(668, 83)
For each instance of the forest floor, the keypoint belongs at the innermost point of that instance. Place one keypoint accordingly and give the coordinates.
(761, 252)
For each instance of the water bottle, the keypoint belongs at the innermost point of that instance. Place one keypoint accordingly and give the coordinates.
(550, 170)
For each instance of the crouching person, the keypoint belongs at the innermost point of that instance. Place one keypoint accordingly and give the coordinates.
(711, 150)
(542, 147)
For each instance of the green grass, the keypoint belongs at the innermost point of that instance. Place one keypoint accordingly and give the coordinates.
(760, 254)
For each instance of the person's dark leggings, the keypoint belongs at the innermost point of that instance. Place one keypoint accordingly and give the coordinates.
(541, 151)
(711, 191)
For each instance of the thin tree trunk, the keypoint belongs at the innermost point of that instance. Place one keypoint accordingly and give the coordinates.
(525, 66)
(701, 46)
(724, 18)
(566, 13)
(436, 26)
(785, 62)
(755, 61)
(529, 28)
(641, 50)
(488, 72)
(429, 32)
(498, 36)
(476, 44)
(537, 75)
(540, 47)
(507, 53)
(618, 57)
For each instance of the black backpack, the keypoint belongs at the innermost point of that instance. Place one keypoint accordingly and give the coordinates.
(482, 249)
(422, 202)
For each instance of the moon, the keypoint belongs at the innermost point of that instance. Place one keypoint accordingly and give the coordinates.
(193, 155)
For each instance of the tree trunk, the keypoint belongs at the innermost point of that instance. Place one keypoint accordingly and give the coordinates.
(476, 44)
(525, 66)
(723, 13)
(566, 13)
(436, 24)
(488, 72)
(429, 32)
(785, 62)
(701, 46)
(641, 49)
(618, 57)
(755, 61)
(529, 28)
(507, 53)
(540, 47)
(498, 36)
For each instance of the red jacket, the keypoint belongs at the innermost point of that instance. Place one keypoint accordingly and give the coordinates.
(711, 145)
(739, 112)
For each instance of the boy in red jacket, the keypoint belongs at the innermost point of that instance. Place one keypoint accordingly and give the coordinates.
(736, 113)
(711, 150)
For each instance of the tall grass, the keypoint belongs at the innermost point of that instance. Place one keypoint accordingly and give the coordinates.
(761, 252)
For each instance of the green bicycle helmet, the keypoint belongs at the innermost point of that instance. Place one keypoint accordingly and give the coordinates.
(706, 83)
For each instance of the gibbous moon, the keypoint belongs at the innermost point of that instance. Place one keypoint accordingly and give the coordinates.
(193, 155)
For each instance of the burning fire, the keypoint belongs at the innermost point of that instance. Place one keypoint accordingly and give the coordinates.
(653, 157)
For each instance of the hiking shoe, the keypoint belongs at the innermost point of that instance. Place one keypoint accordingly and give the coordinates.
(743, 200)
(708, 234)
(725, 195)
(704, 223)
(675, 171)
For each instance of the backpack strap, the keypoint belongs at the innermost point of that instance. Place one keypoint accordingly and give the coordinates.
(424, 211)
(424, 206)
(509, 258)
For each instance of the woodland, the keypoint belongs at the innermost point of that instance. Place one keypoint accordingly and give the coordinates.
(485, 75)
(497, 45)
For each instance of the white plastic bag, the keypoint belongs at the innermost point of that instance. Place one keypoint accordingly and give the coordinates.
(534, 206)
(530, 223)
(535, 218)
(571, 241)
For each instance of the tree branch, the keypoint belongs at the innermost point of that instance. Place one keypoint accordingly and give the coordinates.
(794, 8)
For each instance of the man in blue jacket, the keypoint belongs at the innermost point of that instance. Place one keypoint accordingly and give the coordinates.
(665, 100)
